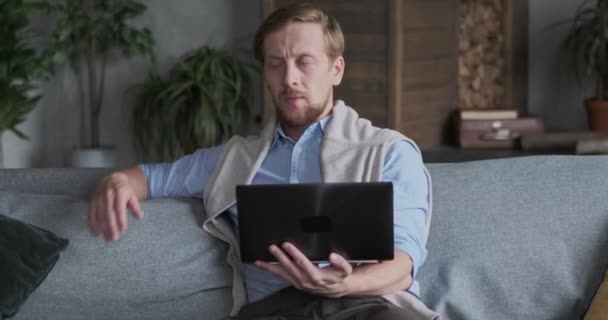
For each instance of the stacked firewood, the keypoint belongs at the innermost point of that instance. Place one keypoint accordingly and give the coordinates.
(481, 61)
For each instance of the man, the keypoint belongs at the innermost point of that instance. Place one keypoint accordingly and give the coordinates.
(313, 139)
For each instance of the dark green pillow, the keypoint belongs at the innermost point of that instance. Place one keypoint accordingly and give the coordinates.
(27, 254)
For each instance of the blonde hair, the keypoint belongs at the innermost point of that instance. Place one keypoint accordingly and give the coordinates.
(301, 12)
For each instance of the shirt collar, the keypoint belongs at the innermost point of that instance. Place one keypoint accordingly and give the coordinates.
(280, 134)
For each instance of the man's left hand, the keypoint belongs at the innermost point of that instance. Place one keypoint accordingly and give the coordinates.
(294, 267)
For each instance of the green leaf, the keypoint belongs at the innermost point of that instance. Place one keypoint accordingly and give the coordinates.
(202, 102)
(59, 58)
(20, 62)
(64, 33)
(587, 41)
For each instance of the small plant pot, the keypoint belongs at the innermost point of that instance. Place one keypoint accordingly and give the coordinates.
(103, 157)
(597, 114)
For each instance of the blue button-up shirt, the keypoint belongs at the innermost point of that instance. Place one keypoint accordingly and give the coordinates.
(291, 161)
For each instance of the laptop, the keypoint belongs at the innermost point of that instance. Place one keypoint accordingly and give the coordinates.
(354, 220)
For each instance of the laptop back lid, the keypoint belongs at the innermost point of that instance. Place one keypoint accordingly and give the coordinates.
(351, 219)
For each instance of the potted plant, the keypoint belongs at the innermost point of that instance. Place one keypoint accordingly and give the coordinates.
(205, 99)
(20, 66)
(587, 45)
(87, 34)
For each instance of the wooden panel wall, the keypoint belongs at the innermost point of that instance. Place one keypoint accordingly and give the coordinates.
(516, 50)
(401, 61)
(429, 71)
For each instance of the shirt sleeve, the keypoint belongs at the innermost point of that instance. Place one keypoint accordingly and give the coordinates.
(403, 167)
(185, 177)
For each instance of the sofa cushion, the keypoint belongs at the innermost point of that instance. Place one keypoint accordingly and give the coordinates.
(27, 253)
(519, 238)
(164, 267)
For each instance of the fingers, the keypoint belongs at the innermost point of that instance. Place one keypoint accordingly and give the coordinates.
(135, 207)
(93, 222)
(111, 232)
(97, 217)
(120, 208)
(304, 272)
(278, 271)
(341, 264)
(302, 264)
(108, 209)
(324, 276)
(293, 267)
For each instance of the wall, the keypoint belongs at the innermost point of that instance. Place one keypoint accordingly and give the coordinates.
(178, 26)
(181, 25)
(553, 91)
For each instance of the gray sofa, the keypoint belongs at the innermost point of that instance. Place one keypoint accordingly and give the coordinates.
(517, 238)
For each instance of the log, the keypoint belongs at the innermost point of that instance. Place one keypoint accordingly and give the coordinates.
(482, 60)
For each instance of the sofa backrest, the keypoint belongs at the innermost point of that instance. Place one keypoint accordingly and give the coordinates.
(518, 238)
(164, 267)
(63, 181)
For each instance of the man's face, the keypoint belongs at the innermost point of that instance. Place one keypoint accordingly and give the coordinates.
(299, 75)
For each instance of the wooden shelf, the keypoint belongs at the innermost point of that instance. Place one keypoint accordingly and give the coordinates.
(455, 154)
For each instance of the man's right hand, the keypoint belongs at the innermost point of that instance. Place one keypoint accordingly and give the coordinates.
(108, 207)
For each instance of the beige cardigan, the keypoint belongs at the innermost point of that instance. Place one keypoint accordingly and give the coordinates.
(352, 150)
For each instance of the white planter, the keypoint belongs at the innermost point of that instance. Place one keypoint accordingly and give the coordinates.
(104, 157)
(1, 151)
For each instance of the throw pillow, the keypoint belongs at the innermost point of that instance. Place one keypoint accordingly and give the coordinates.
(27, 253)
(599, 305)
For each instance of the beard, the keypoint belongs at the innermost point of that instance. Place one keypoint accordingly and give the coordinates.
(300, 117)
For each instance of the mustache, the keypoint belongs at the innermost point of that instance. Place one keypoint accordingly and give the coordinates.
(291, 93)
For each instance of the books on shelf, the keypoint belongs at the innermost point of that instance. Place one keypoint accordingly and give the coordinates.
(595, 145)
(488, 114)
(569, 142)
